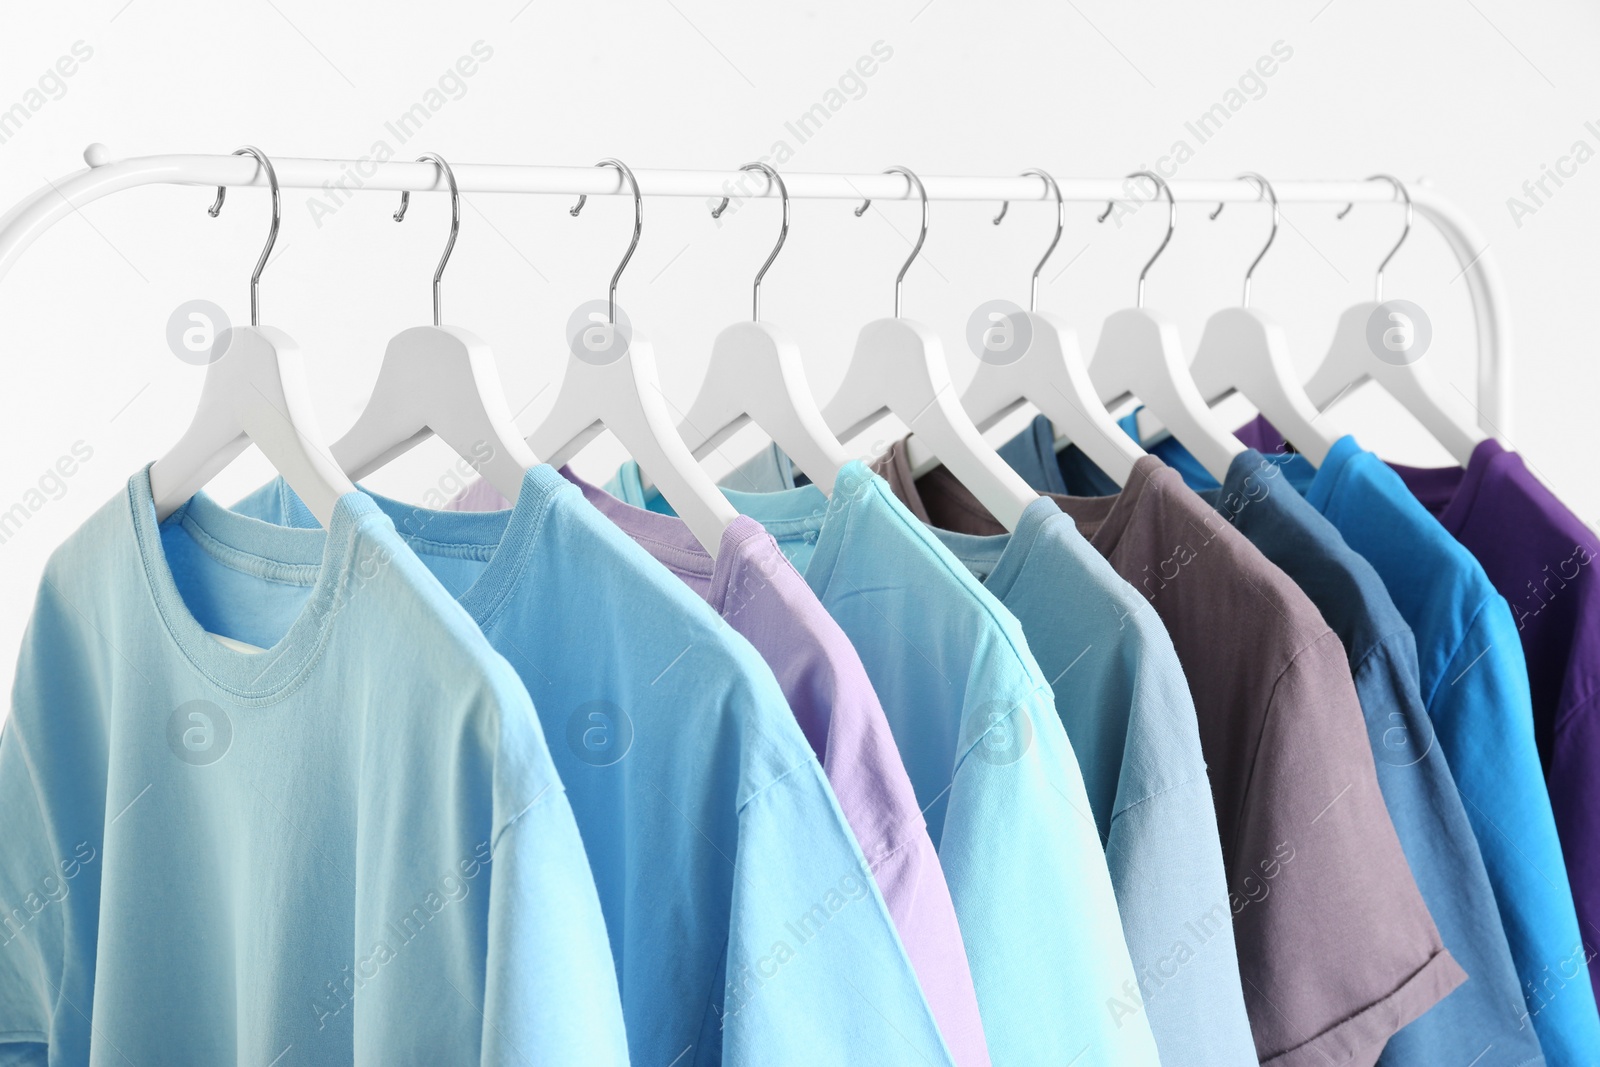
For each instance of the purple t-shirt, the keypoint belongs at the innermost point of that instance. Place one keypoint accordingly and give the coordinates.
(1541, 558)
(758, 592)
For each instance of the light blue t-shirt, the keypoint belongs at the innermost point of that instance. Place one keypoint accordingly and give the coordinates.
(348, 846)
(1474, 683)
(1121, 694)
(746, 926)
(1005, 802)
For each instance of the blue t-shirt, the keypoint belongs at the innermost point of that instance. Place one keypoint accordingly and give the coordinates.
(746, 926)
(975, 721)
(347, 845)
(1474, 684)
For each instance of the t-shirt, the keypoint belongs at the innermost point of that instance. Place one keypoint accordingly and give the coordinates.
(351, 847)
(1540, 557)
(759, 593)
(1484, 1018)
(1123, 699)
(1474, 683)
(1336, 949)
(744, 921)
(992, 767)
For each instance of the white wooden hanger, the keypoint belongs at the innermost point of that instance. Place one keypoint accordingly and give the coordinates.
(756, 375)
(255, 392)
(898, 366)
(1050, 373)
(1352, 359)
(1243, 351)
(616, 387)
(438, 380)
(1139, 354)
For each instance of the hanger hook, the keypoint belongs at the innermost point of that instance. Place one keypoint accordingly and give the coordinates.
(1266, 191)
(1400, 187)
(1061, 224)
(1172, 223)
(773, 178)
(638, 228)
(915, 183)
(272, 234)
(455, 220)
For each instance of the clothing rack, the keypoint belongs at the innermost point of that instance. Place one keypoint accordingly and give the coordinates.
(30, 218)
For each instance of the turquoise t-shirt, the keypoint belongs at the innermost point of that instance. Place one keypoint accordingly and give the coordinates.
(1474, 684)
(1005, 802)
(746, 926)
(347, 846)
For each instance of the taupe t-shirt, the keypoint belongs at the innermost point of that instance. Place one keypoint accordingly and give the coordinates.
(1336, 949)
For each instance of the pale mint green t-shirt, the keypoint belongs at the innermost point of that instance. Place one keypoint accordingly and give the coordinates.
(1005, 802)
(745, 924)
(349, 847)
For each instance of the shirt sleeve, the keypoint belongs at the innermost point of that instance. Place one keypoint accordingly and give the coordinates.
(1337, 949)
(1172, 892)
(551, 990)
(815, 972)
(1484, 716)
(1447, 864)
(31, 934)
(1028, 874)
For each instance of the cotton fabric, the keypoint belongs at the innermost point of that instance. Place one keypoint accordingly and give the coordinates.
(1541, 558)
(1474, 683)
(759, 593)
(1336, 949)
(1123, 699)
(744, 921)
(353, 845)
(992, 767)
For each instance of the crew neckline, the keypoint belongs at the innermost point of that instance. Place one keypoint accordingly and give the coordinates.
(1103, 520)
(670, 541)
(324, 560)
(502, 540)
(1451, 492)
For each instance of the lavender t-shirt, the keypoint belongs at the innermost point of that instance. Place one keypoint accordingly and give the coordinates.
(760, 594)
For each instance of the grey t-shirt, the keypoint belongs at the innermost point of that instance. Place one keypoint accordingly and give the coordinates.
(1336, 948)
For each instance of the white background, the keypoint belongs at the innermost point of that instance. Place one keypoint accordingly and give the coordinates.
(1477, 95)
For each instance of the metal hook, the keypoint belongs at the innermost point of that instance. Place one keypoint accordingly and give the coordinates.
(1405, 195)
(1061, 224)
(783, 234)
(272, 234)
(1268, 192)
(916, 183)
(455, 220)
(638, 228)
(1172, 223)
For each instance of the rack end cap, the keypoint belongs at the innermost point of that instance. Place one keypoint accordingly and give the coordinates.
(97, 155)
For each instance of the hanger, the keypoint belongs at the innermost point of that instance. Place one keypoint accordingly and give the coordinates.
(619, 390)
(756, 375)
(898, 366)
(438, 380)
(255, 392)
(1243, 351)
(1051, 374)
(1139, 354)
(1351, 361)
